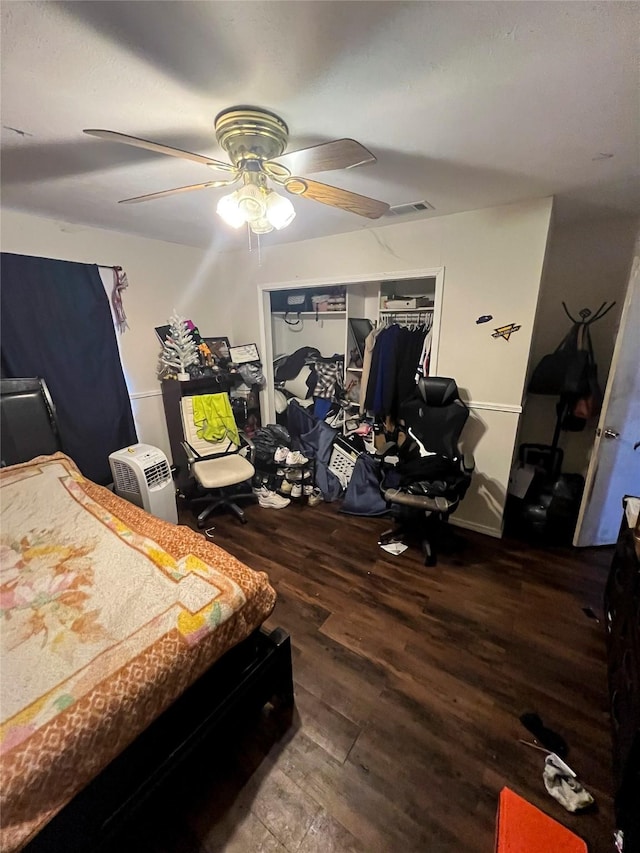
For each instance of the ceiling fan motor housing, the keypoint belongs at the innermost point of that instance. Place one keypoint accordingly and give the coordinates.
(247, 133)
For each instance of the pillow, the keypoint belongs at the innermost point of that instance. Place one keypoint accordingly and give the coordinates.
(280, 402)
(298, 385)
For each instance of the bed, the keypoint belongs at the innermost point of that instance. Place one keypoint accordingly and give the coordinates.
(123, 637)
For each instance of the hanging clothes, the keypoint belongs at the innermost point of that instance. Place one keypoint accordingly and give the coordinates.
(410, 348)
(425, 357)
(382, 380)
(369, 345)
(397, 353)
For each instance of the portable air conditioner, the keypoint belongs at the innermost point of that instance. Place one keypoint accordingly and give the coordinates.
(141, 474)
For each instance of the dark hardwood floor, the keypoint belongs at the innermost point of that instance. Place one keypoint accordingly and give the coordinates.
(409, 685)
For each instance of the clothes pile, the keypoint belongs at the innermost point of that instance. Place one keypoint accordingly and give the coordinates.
(307, 375)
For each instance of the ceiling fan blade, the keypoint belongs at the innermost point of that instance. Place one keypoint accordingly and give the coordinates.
(354, 203)
(114, 136)
(339, 154)
(190, 188)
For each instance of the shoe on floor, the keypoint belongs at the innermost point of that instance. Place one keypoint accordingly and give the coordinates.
(545, 736)
(271, 500)
(294, 457)
(281, 454)
(315, 497)
(285, 487)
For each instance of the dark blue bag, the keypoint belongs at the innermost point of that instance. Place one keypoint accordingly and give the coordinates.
(363, 495)
(315, 439)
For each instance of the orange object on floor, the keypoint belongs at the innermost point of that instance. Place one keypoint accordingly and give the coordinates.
(522, 828)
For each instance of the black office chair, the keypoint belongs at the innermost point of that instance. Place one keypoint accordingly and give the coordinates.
(431, 476)
(27, 421)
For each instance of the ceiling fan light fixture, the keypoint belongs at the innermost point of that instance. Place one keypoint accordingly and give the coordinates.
(261, 226)
(251, 202)
(279, 210)
(255, 141)
(229, 210)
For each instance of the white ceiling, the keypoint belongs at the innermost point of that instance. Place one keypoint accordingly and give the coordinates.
(465, 104)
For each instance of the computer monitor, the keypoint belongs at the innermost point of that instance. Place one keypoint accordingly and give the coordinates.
(360, 329)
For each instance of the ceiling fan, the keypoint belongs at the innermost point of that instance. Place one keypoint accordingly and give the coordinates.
(255, 141)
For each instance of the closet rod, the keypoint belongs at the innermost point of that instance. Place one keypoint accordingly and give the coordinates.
(109, 267)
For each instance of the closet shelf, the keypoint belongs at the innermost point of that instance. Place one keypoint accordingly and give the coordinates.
(310, 313)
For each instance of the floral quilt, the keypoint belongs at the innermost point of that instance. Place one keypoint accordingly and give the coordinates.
(107, 614)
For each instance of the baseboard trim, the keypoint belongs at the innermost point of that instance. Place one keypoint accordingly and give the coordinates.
(495, 532)
(495, 407)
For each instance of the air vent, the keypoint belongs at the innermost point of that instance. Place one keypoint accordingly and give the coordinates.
(411, 207)
(125, 478)
(157, 475)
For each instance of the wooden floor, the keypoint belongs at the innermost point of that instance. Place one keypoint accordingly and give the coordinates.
(409, 685)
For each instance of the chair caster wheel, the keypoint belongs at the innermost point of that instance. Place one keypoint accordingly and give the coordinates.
(429, 556)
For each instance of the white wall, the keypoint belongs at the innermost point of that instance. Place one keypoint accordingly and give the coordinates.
(327, 334)
(587, 263)
(493, 263)
(162, 276)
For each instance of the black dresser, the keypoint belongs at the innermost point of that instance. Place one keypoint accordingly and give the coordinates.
(622, 615)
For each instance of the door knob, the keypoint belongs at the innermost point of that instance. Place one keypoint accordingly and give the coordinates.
(611, 433)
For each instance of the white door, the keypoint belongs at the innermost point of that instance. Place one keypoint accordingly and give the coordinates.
(614, 469)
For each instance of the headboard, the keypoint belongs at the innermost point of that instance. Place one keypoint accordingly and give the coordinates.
(27, 420)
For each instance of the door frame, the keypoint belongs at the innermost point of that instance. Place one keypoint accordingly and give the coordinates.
(267, 401)
(592, 470)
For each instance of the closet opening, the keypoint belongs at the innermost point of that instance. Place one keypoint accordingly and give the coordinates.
(314, 337)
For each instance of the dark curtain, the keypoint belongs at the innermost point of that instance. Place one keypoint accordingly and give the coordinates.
(55, 322)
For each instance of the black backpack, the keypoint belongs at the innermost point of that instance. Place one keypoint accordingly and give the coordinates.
(566, 370)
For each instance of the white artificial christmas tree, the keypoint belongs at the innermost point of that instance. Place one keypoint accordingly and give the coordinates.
(179, 351)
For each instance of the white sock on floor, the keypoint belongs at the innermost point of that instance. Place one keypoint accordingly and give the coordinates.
(561, 782)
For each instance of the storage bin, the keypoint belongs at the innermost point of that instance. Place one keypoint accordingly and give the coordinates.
(293, 301)
(342, 463)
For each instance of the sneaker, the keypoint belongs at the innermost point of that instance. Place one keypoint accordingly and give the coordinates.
(271, 500)
(294, 457)
(307, 490)
(281, 454)
(315, 497)
(294, 475)
(296, 490)
(285, 487)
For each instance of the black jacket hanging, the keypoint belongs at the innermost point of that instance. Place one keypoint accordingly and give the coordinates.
(570, 371)
(562, 371)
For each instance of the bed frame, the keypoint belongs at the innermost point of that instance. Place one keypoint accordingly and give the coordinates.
(254, 672)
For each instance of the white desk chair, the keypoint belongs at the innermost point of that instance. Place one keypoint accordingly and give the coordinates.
(217, 467)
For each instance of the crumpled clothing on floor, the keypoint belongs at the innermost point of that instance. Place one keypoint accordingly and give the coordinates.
(563, 785)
